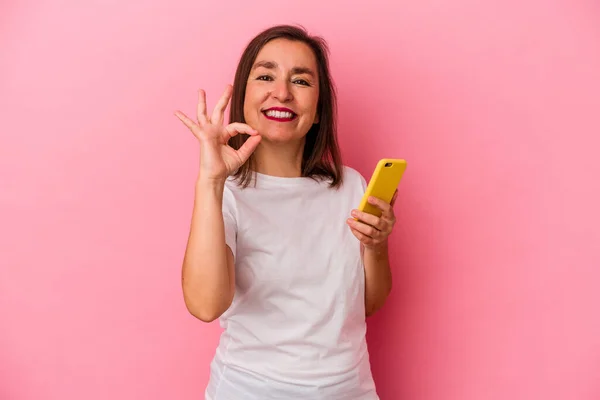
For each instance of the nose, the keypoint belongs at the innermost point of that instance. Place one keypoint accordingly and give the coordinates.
(282, 91)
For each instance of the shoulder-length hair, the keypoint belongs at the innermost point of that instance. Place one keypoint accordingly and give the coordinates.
(322, 158)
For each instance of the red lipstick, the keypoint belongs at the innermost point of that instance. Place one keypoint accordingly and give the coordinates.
(280, 114)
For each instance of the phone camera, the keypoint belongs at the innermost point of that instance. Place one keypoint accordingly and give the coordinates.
(388, 164)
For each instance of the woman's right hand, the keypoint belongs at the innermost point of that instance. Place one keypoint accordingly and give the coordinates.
(218, 160)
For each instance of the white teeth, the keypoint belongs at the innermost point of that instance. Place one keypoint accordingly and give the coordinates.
(279, 114)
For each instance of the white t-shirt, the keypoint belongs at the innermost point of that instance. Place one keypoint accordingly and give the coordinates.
(296, 327)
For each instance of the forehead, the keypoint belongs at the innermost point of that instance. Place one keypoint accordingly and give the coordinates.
(288, 54)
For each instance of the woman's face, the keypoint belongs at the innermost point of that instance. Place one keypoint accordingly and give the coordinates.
(282, 91)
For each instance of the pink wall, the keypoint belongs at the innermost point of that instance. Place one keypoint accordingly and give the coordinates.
(496, 261)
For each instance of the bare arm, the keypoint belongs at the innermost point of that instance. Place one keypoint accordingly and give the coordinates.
(378, 277)
(373, 233)
(208, 279)
(208, 273)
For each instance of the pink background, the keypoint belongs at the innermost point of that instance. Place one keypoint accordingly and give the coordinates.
(494, 104)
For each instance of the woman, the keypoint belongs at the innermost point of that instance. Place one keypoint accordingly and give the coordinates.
(276, 250)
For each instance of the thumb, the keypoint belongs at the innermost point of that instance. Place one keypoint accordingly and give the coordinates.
(248, 148)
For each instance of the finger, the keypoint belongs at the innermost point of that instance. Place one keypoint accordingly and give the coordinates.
(387, 210)
(201, 108)
(394, 198)
(186, 121)
(237, 127)
(361, 237)
(246, 150)
(363, 228)
(368, 219)
(219, 111)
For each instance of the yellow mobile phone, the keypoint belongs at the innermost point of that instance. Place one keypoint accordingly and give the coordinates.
(383, 183)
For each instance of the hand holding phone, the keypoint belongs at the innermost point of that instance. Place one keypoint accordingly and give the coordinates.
(372, 223)
(383, 184)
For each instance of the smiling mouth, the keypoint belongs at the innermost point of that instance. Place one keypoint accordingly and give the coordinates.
(279, 115)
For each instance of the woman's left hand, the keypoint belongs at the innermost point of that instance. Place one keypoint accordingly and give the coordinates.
(373, 231)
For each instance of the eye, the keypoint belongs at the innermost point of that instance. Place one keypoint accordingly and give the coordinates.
(264, 78)
(302, 82)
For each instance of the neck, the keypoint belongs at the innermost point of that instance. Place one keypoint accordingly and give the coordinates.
(279, 159)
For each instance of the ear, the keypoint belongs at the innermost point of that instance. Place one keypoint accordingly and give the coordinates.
(316, 121)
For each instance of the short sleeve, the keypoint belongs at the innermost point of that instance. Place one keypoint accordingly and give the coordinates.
(230, 219)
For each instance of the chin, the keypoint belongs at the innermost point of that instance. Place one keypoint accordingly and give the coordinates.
(277, 136)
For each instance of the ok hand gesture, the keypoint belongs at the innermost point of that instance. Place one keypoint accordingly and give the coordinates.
(218, 160)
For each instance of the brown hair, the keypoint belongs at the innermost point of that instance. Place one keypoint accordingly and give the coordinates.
(321, 158)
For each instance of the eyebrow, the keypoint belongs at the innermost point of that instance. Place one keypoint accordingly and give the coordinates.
(273, 65)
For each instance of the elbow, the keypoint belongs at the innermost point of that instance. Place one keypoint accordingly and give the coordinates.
(205, 311)
(203, 315)
(370, 310)
(373, 306)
